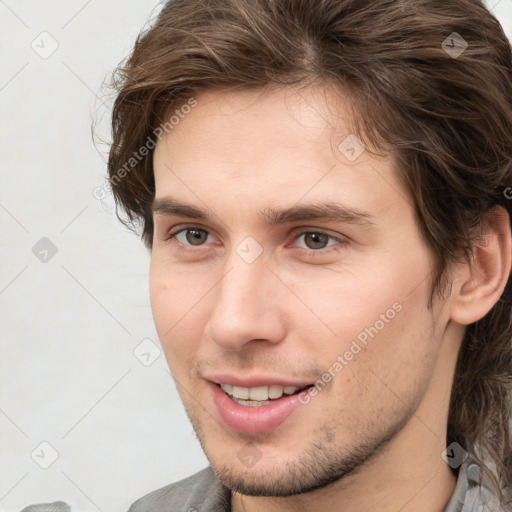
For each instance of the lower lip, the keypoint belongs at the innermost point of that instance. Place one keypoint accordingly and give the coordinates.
(253, 420)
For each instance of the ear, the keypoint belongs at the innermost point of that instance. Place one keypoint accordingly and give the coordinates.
(478, 284)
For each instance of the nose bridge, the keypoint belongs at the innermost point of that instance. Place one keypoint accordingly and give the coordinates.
(244, 308)
(241, 283)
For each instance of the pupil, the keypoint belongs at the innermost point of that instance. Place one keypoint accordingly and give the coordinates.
(316, 240)
(196, 236)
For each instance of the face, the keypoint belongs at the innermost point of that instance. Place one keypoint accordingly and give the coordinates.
(289, 286)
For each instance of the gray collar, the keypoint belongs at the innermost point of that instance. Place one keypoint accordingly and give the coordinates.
(471, 495)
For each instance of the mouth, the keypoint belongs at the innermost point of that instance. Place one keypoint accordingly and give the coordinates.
(255, 404)
(256, 410)
(260, 395)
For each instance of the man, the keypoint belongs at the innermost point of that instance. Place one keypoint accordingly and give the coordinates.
(323, 187)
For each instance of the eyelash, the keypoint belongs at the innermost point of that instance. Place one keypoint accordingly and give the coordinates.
(309, 252)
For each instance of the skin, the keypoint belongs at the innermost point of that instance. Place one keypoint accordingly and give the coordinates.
(372, 438)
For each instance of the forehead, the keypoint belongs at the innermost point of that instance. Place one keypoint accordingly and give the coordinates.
(245, 121)
(272, 146)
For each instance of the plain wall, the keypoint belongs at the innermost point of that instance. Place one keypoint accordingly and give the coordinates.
(70, 321)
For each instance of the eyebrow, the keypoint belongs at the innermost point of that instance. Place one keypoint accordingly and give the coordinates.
(168, 206)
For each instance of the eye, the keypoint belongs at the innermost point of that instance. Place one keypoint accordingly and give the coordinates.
(316, 240)
(190, 236)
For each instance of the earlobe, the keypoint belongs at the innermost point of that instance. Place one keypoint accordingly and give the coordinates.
(478, 285)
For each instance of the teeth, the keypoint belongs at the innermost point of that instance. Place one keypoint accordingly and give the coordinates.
(275, 391)
(261, 393)
(228, 388)
(250, 403)
(241, 392)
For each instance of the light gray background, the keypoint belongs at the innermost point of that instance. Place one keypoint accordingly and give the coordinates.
(69, 325)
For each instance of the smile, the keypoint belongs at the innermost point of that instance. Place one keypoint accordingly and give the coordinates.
(255, 410)
(258, 396)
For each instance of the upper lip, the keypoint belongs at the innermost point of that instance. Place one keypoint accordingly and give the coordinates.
(254, 381)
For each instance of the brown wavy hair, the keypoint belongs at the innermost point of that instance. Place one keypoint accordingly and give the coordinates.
(447, 117)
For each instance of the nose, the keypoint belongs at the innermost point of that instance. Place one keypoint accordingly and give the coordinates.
(246, 306)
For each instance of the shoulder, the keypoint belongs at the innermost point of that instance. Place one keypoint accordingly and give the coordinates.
(201, 492)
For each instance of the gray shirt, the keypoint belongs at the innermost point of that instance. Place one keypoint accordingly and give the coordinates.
(204, 492)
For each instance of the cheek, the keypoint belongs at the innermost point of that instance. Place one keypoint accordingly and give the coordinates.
(382, 380)
(377, 320)
(176, 305)
(349, 307)
(393, 369)
(165, 309)
(174, 294)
